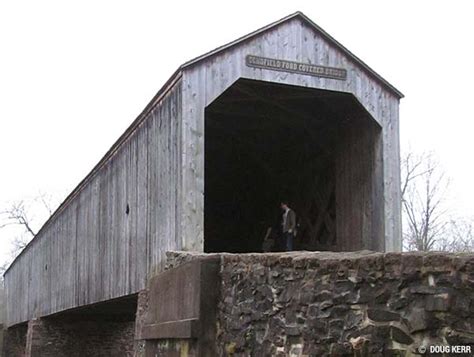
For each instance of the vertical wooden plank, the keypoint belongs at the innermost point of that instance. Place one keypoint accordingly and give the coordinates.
(392, 194)
(359, 186)
(142, 206)
(131, 231)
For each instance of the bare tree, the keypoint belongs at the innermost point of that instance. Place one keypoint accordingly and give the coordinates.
(424, 188)
(25, 214)
(17, 214)
(428, 223)
(459, 236)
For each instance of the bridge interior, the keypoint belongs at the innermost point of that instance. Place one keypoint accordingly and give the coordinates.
(316, 148)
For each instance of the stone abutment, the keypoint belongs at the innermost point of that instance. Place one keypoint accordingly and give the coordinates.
(276, 304)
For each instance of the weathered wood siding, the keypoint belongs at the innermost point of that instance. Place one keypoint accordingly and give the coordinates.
(359, 187)
(93, 250)
(293, 40)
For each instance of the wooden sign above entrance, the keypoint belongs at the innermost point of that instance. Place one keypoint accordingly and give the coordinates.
(295, 67)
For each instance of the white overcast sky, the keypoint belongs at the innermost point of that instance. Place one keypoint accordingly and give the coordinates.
(74, 75)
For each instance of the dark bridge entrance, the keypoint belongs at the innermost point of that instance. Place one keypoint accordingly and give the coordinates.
(319, 149)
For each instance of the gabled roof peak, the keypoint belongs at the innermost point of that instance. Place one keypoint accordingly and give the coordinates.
(314, 26)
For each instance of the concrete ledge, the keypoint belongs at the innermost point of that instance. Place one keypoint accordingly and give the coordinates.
(173, 329)
(180, 310)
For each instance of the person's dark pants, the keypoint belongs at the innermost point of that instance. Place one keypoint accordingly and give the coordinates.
(288, 239)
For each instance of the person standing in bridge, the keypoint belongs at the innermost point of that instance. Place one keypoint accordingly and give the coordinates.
(288, 225)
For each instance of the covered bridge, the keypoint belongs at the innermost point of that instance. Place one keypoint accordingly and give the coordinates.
(284, 111)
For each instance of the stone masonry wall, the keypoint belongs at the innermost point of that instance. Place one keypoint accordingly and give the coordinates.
(57, 338)
(342, 304)
(293, 304)
(14, 341)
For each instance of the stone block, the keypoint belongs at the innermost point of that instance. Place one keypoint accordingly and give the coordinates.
(417, 320)
(400, 336)
(439, 302)
(382, 315)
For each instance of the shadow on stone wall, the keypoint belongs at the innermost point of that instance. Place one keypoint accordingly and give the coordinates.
(104, 329)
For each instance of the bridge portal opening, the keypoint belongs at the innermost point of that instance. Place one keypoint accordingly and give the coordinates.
(318, 149)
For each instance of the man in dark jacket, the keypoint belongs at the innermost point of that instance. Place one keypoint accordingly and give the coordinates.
(288, 225)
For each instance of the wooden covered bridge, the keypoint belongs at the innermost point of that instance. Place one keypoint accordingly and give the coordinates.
(283, 111)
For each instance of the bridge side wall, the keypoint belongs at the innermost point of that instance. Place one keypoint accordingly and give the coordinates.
(106, 240)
